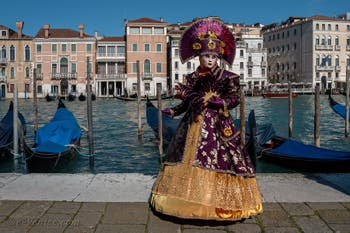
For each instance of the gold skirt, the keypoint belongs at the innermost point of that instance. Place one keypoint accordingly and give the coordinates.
(186, 191)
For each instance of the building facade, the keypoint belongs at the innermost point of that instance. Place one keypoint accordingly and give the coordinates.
(146, 55)
(16, 54)
(63, 58)
(313, 50)
(111, 77)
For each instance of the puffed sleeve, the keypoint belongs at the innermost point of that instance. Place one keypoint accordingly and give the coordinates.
(231, 94)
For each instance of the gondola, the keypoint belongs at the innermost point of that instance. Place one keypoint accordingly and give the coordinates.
(50, 97)
(55, 143)
(6, 132)
(337, 108)
(262, 133)
(303, 157)
(83, 97)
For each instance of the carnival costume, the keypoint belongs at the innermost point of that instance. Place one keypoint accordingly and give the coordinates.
(207, 172)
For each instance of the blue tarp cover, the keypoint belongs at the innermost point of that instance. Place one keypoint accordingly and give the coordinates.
(58, 133)
(300, 150)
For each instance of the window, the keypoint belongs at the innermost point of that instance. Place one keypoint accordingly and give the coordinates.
(27, 72)
(176, 77)
(134, 30)
(146, 47)
(176, 65)
(147, 86)
(40, 89)
(295, 32)
(111, 50)
(188, 65)
(121, 50)
(159, 31)
(3, 52)
(73, 67)
(317, 26)
(88, 47)
(73, 47)
(54, 68)
(159, 47)
(159, 67)
(317, 60)
(38, 48)
(241, 54)
(241, 65)
(3, 33)
(27, 53)
(336, 27)
(12, 72)
(134, 47)
(64, 47)
(329, 40)
(39, 69)
(54, 48)
(323, 27)
(146, 30)
(147, 66)
(12, 53)
(348, 28)
(329, 27)
(176, 52)
(134, 67)
(336, 41)
(249, 72)
(337, 61)
(317, 40)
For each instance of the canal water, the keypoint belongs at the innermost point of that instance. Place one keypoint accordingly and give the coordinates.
(118, 149)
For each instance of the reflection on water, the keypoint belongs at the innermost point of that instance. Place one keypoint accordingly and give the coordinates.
(118, 148)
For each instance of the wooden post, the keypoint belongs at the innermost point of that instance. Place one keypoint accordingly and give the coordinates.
(317, 116)
(89, 114)
(15, 122)
(242, 115)
(290, 120)
(139, 128)
(347, 107)
(35, 101)
(160, 124)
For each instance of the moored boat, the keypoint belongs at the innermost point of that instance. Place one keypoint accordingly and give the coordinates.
(279, 95)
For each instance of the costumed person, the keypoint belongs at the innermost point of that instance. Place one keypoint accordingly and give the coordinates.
(207, 172)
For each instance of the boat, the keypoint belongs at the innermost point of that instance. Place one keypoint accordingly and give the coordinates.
(279, 95)
(55, 143)
(303, 157)
(82, 97)
(6, 132)
(50, 97)
(134, 98)
(338, 108)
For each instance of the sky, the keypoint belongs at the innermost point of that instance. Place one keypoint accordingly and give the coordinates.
(106, 17)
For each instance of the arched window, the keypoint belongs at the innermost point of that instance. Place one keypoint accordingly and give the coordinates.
(147, 66)
(318, 60)
(27, 53)
(329, 40)
(27, 72)
(317, 40)
(12, 72)
(64, 65)
(3, 51)
(12, 53)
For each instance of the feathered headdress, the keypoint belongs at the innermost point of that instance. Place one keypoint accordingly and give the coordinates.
(207, 36)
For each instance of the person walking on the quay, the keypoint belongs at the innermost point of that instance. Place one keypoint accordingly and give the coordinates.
(207, 172)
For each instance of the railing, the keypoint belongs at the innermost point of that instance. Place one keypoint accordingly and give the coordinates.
(110, 55)
(337, 68)
(111, 76)
(58, 76)
(324, 47)
(39, 76)
(3, 60)
(337, 47)
(250, 64)
(323, 68)
(2, 78)
(348, 47)
(147, 76)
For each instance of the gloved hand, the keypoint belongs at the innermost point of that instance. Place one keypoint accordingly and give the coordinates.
(215, 102)
(168, 112)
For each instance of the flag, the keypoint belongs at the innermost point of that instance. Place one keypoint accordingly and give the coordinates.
(325, 60)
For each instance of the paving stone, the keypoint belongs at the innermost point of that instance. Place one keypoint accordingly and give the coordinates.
(157, 224)
(79, 229)
(272, 207)
(126, 213)
(346, 204)
(55, 220)
(45, 229)
(297, 209)
(275, 218)
(202, 231)
(31, 209)
(340, 228)
(93, 207)
(107, 228)
(7, 207)
(335, 216)
(13, 229)
(325, 205)
(244, 228)
(312, 224)
(89, 219)
(64, 207)
(281, 230)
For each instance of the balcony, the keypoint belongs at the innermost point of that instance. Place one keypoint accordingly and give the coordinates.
(241, 44)
(39, 76)
(263, 64)
(337, 68)
(147, 76)
(111, 76)
(3, 60)
(324, 47)
(337, 47)
(347, 47)
(250, 64)
(110, 55)
(324, 68)
(59, 76)
(2, 78)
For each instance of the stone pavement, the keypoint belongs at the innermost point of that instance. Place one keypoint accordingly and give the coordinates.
(117, 203)
(136, 217)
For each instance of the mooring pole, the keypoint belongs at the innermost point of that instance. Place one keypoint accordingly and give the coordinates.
(35, 101)
(317, 116)
(242, 114)
(290, 119)
(89, 113)
(347, 107)
(160, 124)
(15, 123)
(139, 126)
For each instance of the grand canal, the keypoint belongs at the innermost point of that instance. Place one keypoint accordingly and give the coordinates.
(118, 149)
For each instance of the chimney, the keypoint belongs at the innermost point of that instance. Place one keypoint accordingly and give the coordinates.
(160, 19)
(19, 25)
(81, 30)
(46, 29)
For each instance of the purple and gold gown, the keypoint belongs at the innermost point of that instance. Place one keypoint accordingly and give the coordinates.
(207, 173)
